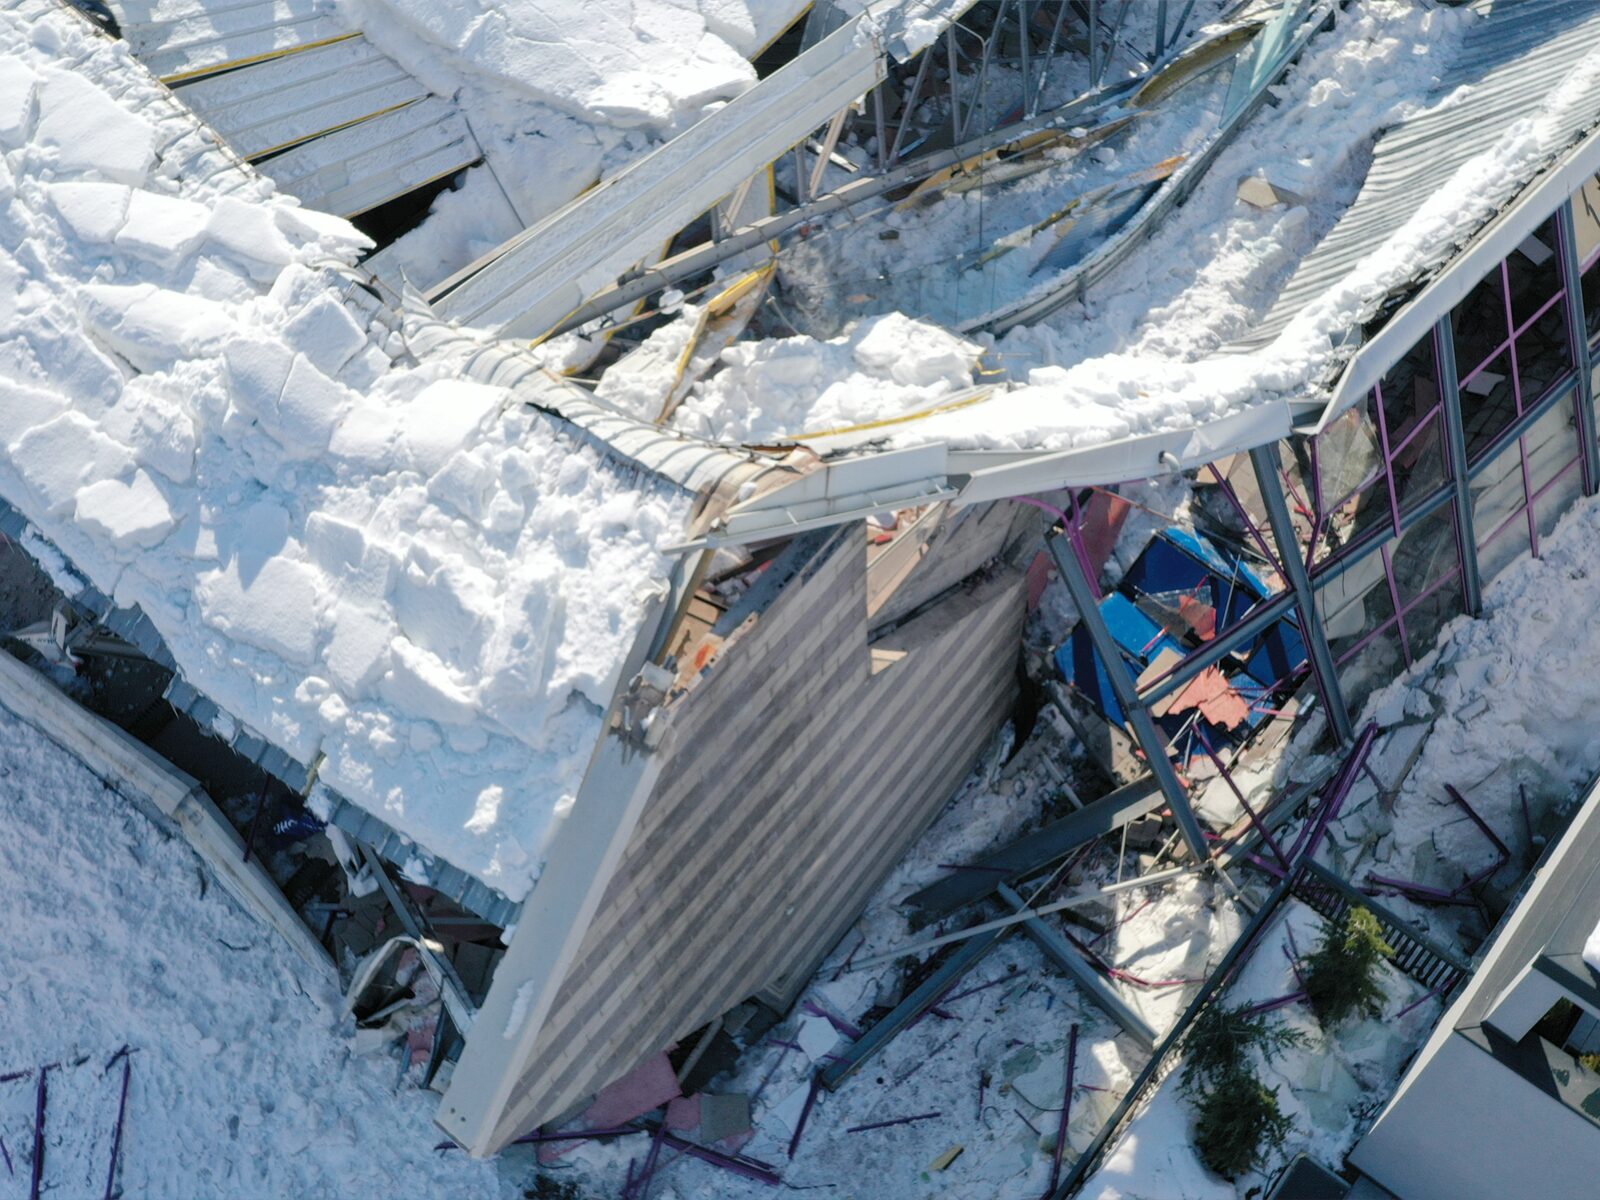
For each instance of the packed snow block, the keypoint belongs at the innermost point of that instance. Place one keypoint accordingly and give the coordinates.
(358, 648)
(23, 408)
(91, 132)
(307, 225)
(159, 432)
(163, 229)
(250, 233)
(257, 370)
(419, 683)
(363, 568)
(326, 334)
(18, 88)
(273, 608)
(152, 327)
(95, 211)
(128, 516)
(308, 410)
(59, 458)
(444, 416)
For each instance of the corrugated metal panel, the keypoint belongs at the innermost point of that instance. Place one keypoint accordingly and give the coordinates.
(360, 167)
(1509, 64)
(691, 463)
(547, 271)
(275, 104)
(794, 779)
(181, 38)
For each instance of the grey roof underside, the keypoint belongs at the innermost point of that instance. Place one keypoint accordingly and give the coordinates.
(1510, 61)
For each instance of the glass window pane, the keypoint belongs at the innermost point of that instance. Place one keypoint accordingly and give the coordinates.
(1424, 554)
(1488, 404)
(1534, 271)
(1351, 493)
(1544, 354)
(1371, 667)
(1480, 324)
(1354, 603)
(1586, 223)
(1558, 497)
(1551, 444)
(1496, 492)
(1427, 616)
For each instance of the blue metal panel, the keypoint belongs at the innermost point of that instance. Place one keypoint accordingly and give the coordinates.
(1084, 669)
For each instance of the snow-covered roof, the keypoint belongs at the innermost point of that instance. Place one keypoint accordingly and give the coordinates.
(1464, 108)
(1521, 87)
(416, 583)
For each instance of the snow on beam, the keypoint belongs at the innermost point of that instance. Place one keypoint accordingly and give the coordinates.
(526, 286)
(131, 767)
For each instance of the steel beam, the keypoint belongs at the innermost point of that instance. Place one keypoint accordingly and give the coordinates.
(1263, 459)
(1572, 274)
(1122, 683)
(1444, 347)
(1067, 956)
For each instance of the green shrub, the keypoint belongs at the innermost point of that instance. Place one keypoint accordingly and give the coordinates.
(1221, 1038)
(1341, 976)
(1238, 1123)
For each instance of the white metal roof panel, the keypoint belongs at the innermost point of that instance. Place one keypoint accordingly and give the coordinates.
(357, 168)
(181, 38)
(1509, 64)
(282, 101)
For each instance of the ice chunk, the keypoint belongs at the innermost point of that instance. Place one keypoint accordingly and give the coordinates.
(58, 458)
(309, 225)
(420, 684)
(486, 812)
(358, 650)
(326, 334)
(91, 132)
(23, 407)
(249, 232)
(128, 515)
(151, 326)
(444, 416)
(164, 229)
(94, 210)
(18, 85)
(159, 431)
(273, 608)
(309, 407)
(257, 370)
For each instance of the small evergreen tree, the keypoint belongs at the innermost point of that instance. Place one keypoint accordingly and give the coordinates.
(1341, 975)
(1239, 1123)
(1221, 1038)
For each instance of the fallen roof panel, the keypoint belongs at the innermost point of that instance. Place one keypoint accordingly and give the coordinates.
(275, 104)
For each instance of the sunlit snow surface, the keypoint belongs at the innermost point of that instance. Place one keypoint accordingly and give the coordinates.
(359, 556)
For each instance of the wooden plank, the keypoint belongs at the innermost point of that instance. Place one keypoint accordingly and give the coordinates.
(278, 103)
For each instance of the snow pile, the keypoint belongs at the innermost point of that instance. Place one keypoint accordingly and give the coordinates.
(365, 559)
(883, 367)
(560, 93)
(242, 1082)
